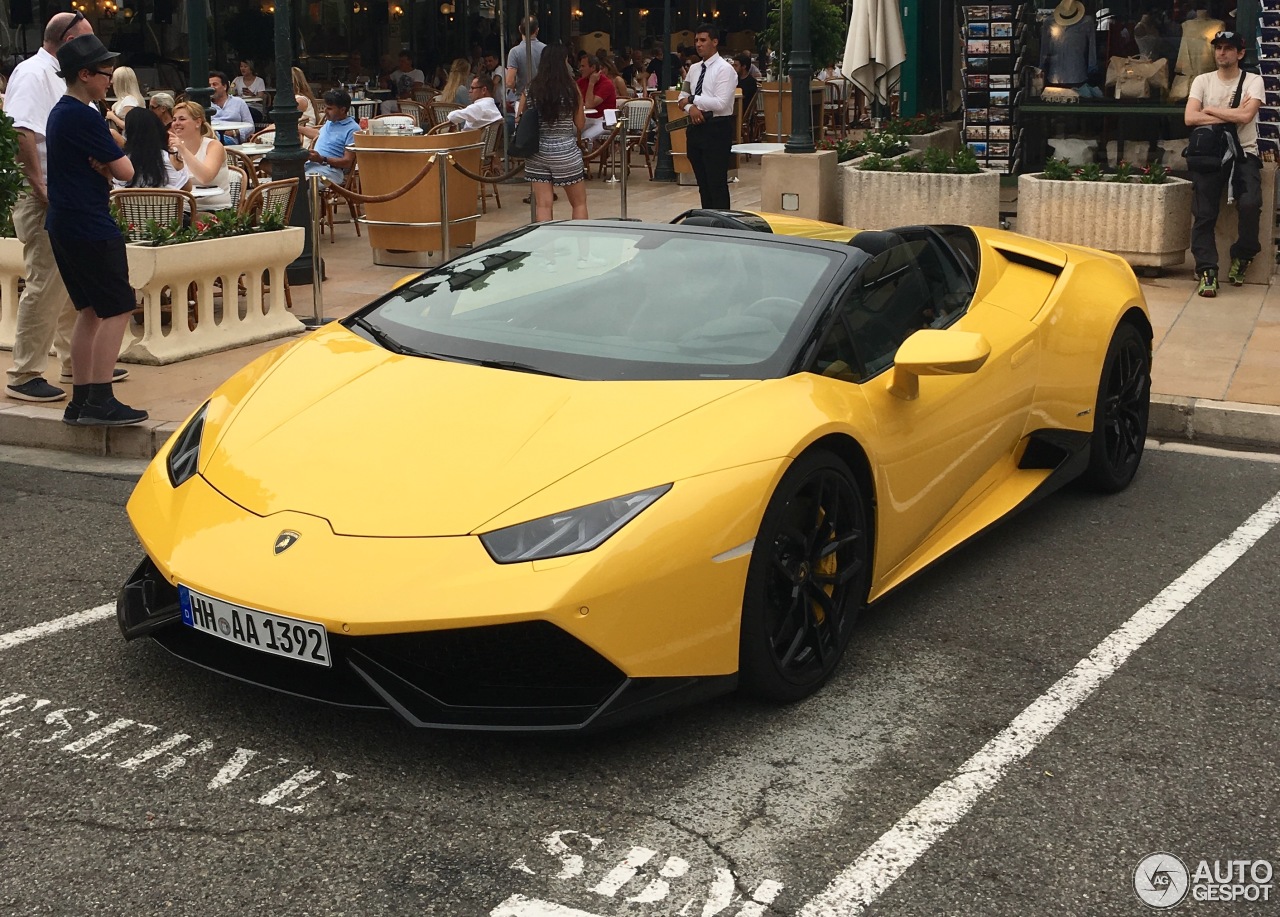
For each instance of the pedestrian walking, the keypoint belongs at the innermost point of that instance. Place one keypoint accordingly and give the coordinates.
(554, 95)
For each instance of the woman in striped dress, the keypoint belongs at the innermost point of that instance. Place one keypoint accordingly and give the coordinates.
(558, 162)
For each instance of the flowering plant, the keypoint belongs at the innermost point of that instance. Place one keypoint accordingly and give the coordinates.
(923, 123)
(219, 225)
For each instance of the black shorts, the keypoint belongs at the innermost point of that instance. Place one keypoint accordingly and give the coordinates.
(96, 274)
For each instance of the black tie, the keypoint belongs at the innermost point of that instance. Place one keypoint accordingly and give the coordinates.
(697, 90)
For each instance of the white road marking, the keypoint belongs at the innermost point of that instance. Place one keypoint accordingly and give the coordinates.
(624, 872)
(57, 625)
(163, 759)
(520, 906)
(880, 865)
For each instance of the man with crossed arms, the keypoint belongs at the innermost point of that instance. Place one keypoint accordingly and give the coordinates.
(710, 110)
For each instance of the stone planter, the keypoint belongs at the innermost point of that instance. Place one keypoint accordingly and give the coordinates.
(231, 321)
(1147, 225)
(880, 200)
(12, 269)
(946, 138)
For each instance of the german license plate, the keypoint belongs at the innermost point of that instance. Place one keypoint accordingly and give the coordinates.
(305, 641)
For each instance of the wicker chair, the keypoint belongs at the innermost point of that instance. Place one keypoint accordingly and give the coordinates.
(639, 124)
(439, 111)
(415, 110)
(331, 200)
(491, 162)
(138, 205)
(424, 95)
(240, 182)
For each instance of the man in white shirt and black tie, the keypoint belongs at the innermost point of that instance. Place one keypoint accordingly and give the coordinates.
(708, 101)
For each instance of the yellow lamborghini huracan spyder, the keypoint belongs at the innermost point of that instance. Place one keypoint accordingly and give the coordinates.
(593, 469)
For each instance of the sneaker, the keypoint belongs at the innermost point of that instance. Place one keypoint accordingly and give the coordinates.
(1238, 267)
(72, 414)
(118, 374)
(1208, 283)
(35, 390)
(110, 414)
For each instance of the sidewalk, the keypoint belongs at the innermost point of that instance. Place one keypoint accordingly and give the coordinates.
(1216, 375)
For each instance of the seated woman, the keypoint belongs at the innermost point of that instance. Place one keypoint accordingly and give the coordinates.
(147, 146)
(128, 96)
(306, 101)
(199, 152)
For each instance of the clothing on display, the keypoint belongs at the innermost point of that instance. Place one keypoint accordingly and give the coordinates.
(1067, 47)
(1195, 56)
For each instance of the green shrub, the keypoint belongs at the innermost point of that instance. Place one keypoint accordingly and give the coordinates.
(11, 178)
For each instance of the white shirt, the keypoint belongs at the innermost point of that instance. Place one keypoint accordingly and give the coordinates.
(718, 88)
(1213, 92)
(476, 115)
(34, 88)
(256, 88)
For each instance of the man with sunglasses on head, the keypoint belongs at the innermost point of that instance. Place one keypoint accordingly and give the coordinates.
(1229, 97)
(45, 316)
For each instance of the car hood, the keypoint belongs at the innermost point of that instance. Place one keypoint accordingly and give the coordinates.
(388, 445)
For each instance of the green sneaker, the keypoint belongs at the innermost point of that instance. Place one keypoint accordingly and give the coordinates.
(1238, 267)
(1208, 283)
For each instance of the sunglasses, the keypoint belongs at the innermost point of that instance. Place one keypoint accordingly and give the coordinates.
(106, 73)
(78, 17)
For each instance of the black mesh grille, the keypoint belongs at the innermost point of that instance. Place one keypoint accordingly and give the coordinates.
(530, 664)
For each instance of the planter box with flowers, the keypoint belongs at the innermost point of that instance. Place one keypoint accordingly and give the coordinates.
(1145, 218)
(12, 267)
(850, 152)
(926, 130)
(221, 264)
(932, 187)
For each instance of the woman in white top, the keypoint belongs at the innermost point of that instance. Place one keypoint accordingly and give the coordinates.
(199, 152)
(128, 95)
(247, 83)
(302, 95)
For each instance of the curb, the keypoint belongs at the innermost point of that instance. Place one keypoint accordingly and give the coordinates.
(1203, 420)
(1173, 417)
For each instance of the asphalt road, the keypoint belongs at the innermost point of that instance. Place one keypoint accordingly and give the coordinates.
(132, 783)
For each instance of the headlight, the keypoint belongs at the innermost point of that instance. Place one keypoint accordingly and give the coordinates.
(571, 532)
(184, 457)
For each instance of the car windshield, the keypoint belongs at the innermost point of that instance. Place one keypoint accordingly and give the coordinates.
(612, 302)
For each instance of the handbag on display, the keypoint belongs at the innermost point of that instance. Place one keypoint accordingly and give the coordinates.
(1135, 78)
(1181, 87)
(524, 143)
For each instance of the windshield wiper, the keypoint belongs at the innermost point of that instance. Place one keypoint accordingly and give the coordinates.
(383, 339)
(518, 367)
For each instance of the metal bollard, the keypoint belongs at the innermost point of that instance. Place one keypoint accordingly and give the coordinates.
(624, 161)
(443, 169)
(317, 278)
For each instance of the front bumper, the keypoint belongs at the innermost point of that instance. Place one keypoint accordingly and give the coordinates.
(523, 676)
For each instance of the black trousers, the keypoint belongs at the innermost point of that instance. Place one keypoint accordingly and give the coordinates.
(1208, 188)
(708, 149)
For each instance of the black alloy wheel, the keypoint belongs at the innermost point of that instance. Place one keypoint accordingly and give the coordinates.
(1120, 417)
(808, 579)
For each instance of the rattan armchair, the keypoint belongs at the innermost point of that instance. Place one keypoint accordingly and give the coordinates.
(138, 205)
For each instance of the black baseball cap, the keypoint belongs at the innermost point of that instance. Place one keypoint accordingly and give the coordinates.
(1235, 39)
(81, 53)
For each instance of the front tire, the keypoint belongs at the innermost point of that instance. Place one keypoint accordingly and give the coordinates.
(1120, 416)
(808, 579)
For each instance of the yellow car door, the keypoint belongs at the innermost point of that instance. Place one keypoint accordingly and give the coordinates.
(948, 428)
